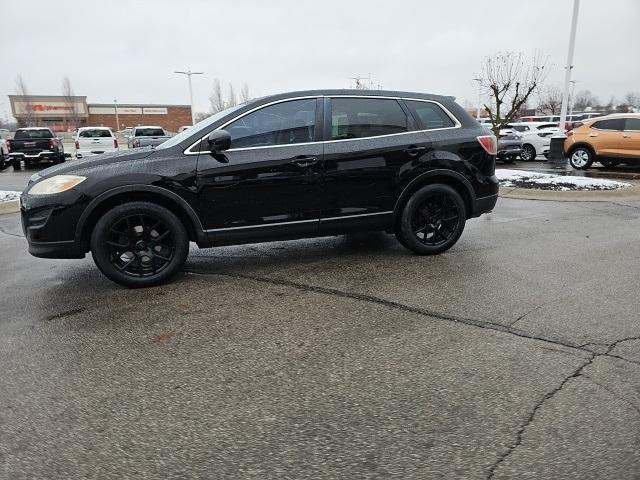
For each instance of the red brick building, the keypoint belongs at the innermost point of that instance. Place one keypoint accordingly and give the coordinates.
(67, 113)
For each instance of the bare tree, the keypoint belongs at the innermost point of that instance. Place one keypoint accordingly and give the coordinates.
(215, 99)
(550, 100)
(632, 99)
(584, 99)
(21, 89)
(232, 100)
(199, 116)
(510, 81)
(71, 115)
(244, 93)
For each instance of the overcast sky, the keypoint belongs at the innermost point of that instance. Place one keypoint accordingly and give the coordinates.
(129, 49)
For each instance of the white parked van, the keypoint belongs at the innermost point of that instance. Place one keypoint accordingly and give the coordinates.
(94, 141)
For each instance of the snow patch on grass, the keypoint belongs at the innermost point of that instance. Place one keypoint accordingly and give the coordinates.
(7, 196)
(546, 181)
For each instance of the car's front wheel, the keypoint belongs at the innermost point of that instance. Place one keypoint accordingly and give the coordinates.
(432, 220)
(139, 244)
(581, 158)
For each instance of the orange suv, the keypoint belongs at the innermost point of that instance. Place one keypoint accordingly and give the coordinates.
(610, 140)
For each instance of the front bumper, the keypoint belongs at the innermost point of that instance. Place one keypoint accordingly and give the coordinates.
(49, 223)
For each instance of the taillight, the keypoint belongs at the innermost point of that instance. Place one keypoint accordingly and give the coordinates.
(569, 133)
(51, 144)
(489, 143)
(115, 143)
(9, 145)
(77, 145)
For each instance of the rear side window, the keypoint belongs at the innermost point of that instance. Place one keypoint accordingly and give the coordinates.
(280, 124)
(32, 134)
(431, 115)
(366, 117)
(100, 133)
(611, 124)
(632, 124)
(149, 132)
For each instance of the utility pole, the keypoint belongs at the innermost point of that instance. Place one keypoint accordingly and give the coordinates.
(188, 73)
(556, 149)
(115, 104)
(479, 80)
(572, 97)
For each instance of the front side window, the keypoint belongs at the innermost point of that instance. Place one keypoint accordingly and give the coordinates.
(366, 117)
(611, 124)
(431, 115)
(280, 124)
(632, 124)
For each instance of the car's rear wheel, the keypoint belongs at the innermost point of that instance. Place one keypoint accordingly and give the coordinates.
(432, 220)
(139, 244)
(581, 158)
(16, 164)
(528, 152)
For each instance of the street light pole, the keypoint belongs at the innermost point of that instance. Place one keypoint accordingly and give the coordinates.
(115, 104)
(571, 97)
(188, 73)
(479, 80)
(556, 149)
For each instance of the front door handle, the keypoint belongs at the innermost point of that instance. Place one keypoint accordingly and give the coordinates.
(304, 161)
(414, 150)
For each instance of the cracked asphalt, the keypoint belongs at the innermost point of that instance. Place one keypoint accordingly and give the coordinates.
(514, 355)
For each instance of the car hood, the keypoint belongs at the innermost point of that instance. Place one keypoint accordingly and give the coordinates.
(94, 161)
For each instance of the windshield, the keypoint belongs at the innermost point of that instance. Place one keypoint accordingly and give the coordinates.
(33, 134)
(202, 125)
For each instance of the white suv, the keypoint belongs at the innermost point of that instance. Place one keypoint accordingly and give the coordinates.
(536, 137)
(94, 141)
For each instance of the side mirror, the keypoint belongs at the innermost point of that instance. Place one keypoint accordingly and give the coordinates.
(219, 140)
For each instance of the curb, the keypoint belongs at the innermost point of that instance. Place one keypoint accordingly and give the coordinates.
(629, 193)
(11, 206)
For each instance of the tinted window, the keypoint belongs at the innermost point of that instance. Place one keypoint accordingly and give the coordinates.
(33, 134)
(611, 124)
(280, 124)
(519, 128)
(149, 132)
(431, 115)
(366, 117)
(95, 133)
(632, 124)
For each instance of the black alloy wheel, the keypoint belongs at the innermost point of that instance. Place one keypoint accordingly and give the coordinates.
(432, 220)
(139, 244)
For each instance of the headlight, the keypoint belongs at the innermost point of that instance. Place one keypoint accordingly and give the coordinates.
(57, 184)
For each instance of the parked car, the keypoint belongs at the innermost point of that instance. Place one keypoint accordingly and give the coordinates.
(509, 146)
(4, 154)
(536, 137)
(610, 140)
(94, 141)
(292, 165)
(35, 145)
(147, 137)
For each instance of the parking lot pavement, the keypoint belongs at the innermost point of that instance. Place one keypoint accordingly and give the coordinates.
(515, 354)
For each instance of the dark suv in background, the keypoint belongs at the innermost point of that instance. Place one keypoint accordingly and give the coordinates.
(287, 166)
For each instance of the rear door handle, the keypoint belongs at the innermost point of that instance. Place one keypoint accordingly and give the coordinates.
(414, 150)
(593, 135)
(304, 161)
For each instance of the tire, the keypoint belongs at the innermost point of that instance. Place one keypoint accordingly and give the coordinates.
(432, 220)
(581, 157)
(16, 164)
(125, 244)
(528, 152)
(608, 163)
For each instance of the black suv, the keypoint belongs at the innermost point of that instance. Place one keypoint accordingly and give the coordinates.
(286, 166)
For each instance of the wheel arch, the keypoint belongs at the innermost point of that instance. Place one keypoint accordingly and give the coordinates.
(446, 177)
(583, 145)
(149, 193)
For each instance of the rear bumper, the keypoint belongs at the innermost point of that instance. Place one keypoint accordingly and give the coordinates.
(45, 155)
(484, 205)
(96, 151)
